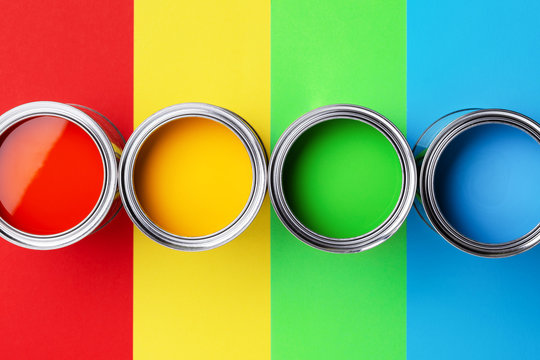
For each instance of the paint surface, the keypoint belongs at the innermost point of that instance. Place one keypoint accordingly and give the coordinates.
(52, 175)
(336, 306)
(189, 171)
(464, 54)
(342, 178)
(486, 183)
(212, 304)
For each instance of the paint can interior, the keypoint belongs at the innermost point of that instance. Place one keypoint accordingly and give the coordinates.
(479, 181)
(342, 178)
(58, 166)
(193, 176)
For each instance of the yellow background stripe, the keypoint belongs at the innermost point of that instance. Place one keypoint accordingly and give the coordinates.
(214, 304)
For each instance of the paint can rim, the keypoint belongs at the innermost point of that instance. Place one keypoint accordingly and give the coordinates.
(361, 242)
(427, 182)
(253, 146)
(110, 173)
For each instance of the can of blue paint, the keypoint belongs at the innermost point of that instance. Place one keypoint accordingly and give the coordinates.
(479, 181)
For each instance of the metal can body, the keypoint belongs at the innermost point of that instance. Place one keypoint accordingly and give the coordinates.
(252, 145)
(360, 242)
(428, 151)
(109, 143)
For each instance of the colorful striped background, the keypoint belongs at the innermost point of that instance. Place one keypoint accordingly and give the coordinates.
(118, 295)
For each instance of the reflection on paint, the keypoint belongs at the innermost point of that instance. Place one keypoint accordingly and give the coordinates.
(51, 175)
(342, 178)
(193, 176)
(486, 183)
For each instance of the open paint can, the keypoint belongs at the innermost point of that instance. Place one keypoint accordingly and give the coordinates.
(58, 174)
(479, 181)
(193, 176)
(342, 178)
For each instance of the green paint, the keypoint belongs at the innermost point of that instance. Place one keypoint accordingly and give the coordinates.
(342, 178)
(328, 306)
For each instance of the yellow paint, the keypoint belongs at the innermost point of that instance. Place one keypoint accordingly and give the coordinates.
(189, 171)
(213, 304)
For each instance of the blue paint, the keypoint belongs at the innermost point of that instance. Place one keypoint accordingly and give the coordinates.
(487, 183)
(465, 54)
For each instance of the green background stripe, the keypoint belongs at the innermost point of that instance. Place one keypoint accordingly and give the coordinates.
(327, 306)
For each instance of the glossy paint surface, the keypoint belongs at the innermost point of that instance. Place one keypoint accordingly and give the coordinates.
(486, 183)
(189, 171)
(52, 175)
(342, 178)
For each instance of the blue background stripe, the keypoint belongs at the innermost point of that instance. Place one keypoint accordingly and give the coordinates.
(470, 54)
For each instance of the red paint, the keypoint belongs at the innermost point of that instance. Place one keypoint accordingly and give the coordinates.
(75, 302)
(52, 175)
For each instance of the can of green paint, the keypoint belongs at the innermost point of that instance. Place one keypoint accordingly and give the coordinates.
(349, 184)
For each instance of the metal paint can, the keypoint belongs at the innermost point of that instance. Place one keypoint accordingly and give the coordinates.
(252, 145)
(360, 242)
(428, 151)
(109, 143)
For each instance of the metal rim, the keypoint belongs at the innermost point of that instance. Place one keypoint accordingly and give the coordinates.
(257, 156)
(100, 211)
(419, 159)
(427, 181)
(408, 187)
(117, 151)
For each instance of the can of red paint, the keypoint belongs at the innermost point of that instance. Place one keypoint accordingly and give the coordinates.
(58, 173)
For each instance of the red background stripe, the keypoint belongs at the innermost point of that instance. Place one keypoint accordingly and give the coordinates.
(74, 302)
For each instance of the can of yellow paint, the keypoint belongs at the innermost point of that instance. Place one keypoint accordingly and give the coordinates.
(333, 172)
(193, 176)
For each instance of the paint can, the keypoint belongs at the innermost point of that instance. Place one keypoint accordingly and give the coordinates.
(177, 113)
(442, 145)
(45, 157)
(398, 211)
